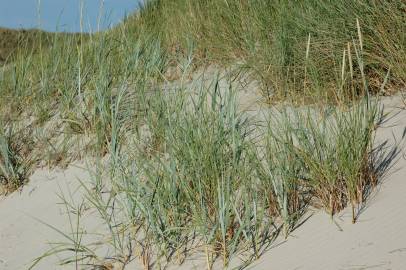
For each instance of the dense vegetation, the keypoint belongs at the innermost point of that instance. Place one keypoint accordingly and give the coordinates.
(294, 47)
(186, 169)
(13, 39)
(13, 42)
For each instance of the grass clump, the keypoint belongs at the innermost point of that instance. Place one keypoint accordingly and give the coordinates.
(327, 152)
(198, 189)
(15, 160)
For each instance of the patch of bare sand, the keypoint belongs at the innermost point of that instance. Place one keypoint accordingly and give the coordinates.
(22, 236)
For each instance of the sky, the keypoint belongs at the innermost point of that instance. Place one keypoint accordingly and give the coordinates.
(64, 15)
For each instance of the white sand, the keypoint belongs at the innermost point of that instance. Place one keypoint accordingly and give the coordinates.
(22, 237)
(376, 241)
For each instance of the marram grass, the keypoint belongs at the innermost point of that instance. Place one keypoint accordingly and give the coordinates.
(187, 170)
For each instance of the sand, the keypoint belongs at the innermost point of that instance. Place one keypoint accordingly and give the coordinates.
(22, 236)
(376, 241)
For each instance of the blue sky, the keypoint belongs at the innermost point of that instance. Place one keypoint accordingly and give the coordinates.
(64, 15)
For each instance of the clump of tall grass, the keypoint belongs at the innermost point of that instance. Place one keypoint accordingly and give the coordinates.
(198, 185)
(326, 153)
(15, 160)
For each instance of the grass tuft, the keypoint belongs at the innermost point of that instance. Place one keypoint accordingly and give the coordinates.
(15, 160)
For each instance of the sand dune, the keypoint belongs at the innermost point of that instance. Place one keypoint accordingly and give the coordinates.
(376, 241)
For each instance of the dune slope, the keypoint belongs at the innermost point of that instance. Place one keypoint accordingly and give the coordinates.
(376, 241)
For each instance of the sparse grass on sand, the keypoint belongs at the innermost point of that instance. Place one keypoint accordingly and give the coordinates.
(186, 169)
